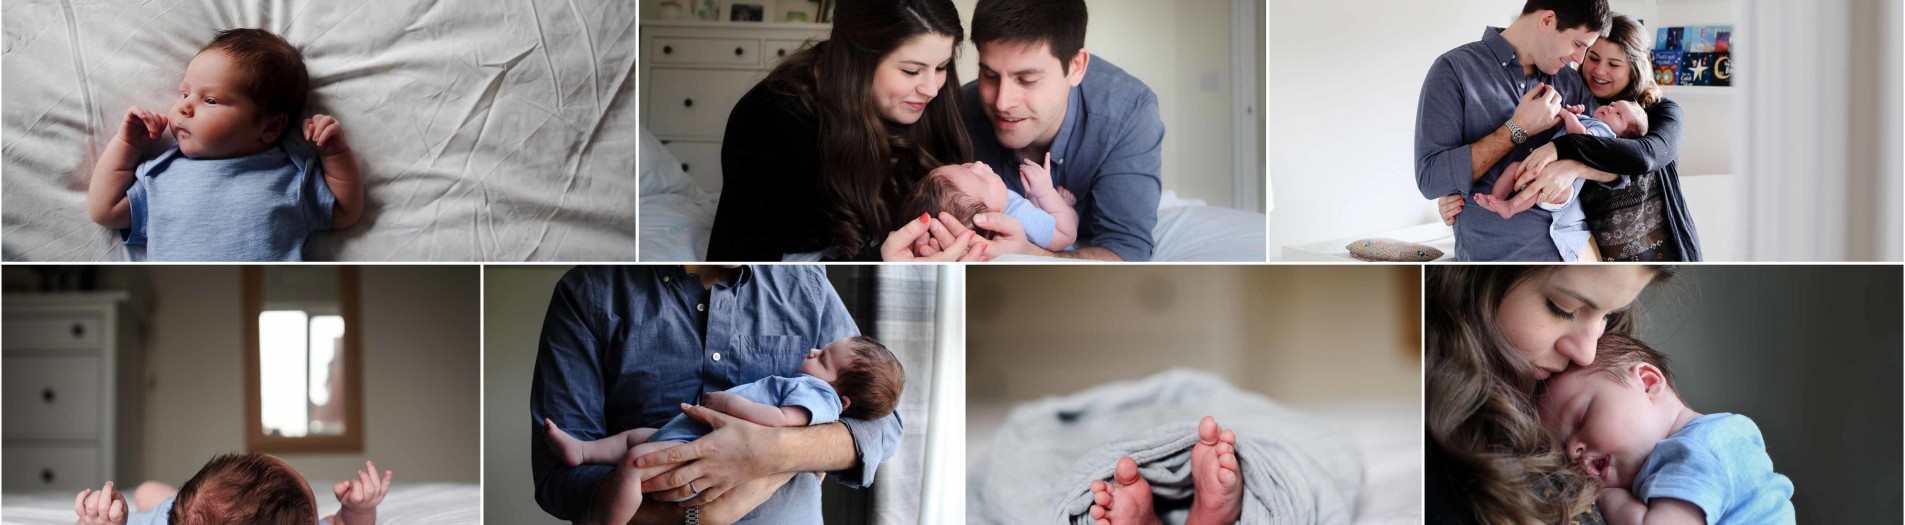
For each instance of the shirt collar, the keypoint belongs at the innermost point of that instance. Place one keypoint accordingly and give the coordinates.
(742, 275)
(1504, 52)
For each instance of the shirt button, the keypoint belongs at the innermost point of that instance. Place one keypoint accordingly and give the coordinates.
(702, 307)
(1523, 85)
(717, 356)
(665, 278)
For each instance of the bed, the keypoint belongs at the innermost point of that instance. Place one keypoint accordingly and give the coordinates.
(410, 503)
(677, 216)
(501, 130)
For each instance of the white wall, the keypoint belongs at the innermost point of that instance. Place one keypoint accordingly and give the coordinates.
(1345, 81)
(420, 374)
(515, 299)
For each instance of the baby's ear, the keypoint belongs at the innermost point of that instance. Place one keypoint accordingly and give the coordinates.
(274, 128)
(844, 403)
(1651, 379)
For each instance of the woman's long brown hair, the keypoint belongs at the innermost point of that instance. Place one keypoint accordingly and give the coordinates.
(1481, 409)
(1638, 44)
(864, 156)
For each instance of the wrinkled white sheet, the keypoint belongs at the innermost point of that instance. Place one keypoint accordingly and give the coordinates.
(495, 130)
(677, 218)
(418, 503)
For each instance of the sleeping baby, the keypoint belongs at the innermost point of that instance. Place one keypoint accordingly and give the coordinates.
(854, 377)
(1624, 119)
(233, 188)
(965, 190)
(1658, 461)
(251, 488)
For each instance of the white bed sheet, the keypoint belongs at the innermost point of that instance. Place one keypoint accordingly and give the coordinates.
(677, 218)
(408, 503)
(499, 130)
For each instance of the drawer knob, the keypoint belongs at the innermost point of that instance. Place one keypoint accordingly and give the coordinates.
(688, 102)
(737, 51)
(79, 330)
(684, 167)
(46, 475)
(48, 395)
(668, 50)
(667, 142)
(782, 52)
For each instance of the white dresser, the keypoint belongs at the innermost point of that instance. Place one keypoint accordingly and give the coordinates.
(692, 73)
(73, 372)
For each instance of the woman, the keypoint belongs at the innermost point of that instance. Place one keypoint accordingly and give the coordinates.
(818, 155)
(1646, 219)
(1493, 333)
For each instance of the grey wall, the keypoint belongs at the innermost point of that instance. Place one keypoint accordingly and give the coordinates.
(515, 299)
(1812, 354)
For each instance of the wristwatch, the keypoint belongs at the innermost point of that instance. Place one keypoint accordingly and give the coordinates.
(694, 516)
(1515, 133)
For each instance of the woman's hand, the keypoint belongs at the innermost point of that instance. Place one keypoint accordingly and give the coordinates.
(105, 507)
(1534, 164)
(929, 240)
(1450, 206)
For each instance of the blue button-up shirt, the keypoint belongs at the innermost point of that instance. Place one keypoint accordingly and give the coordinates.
(1470, 92)
(1109, 152)
(623, 346)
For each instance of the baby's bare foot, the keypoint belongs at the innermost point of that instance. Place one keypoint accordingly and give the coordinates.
(568, 448)
(1216, 481)
(1126, 502)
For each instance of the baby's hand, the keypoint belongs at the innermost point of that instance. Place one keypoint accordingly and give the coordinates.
(105, 507)
(719, 401)
(364, 493)
(1070, 200)
(325, 133)
(1037, 177)
(141, 127)
(1573, 123)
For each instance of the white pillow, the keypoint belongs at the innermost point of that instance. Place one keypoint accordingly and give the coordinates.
(661, 172)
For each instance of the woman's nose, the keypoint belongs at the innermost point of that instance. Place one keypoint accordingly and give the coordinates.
(1579, 346)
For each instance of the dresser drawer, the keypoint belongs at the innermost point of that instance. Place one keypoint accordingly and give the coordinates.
(705, 51)
(32, 468)
(694, 103)
(52, 397)
(700, 159)
(776, 50)
(53, 331)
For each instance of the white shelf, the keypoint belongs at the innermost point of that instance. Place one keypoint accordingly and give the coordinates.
(1698, 91)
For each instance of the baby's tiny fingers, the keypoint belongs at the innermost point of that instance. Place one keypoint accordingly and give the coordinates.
(79, 502)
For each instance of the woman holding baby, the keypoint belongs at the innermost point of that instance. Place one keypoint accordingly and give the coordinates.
(1647, 218)
(819, 155)
(1492, 334)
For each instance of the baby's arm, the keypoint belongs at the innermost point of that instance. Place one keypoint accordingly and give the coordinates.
(340, 169)
(1571, 120)
(757, 413)
(360, 497)
(1620, 507)
(1038, 189)
(106, 201)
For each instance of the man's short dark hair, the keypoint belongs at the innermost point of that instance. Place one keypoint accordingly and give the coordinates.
(1060, 24)
(1592, 15)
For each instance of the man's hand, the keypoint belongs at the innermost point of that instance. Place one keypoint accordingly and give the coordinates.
(1539, 110)
(734, 452)
(1008, 235)
(1532, 166)
(140, 127)
(360, 496)
(105, 507)
(325, 133)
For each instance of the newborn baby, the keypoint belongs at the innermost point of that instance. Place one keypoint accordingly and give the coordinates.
(251, 488)
(1624, 119)
(233, 188)
(965, 190)
(854, 377)
(1621, 419)
(1217, 485)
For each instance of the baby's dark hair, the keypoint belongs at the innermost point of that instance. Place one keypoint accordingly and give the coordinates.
(250, 488)
(1615, 353)
(278, 82)
(873, 382)
(936, 194)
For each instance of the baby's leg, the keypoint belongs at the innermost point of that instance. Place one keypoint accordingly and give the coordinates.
(1126, 501)
(1500, 200)
(605, 451)
(630, 500)
(150, 493)
(1217, 484)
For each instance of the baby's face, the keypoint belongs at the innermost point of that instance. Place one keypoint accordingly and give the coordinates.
(1608, 427)
(214, 118)
(1620, 116)
(978, 180)
(826, 363)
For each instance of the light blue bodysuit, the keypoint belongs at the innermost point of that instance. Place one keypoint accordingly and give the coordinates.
(259, 207)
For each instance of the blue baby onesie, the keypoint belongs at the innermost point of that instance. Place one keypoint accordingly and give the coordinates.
(801, 390)
(258, 207)
(1718, 462)
(161, 514)
(1039, 225)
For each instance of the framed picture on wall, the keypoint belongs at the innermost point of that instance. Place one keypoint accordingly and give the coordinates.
(1694, 56)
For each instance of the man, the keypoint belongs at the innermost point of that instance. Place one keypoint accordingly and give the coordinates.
(1040, 92)
(1488, 104)
(623, 347)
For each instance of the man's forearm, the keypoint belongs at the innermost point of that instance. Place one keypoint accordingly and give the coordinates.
(1483, 154)
(818, 448)
(1090, 253)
